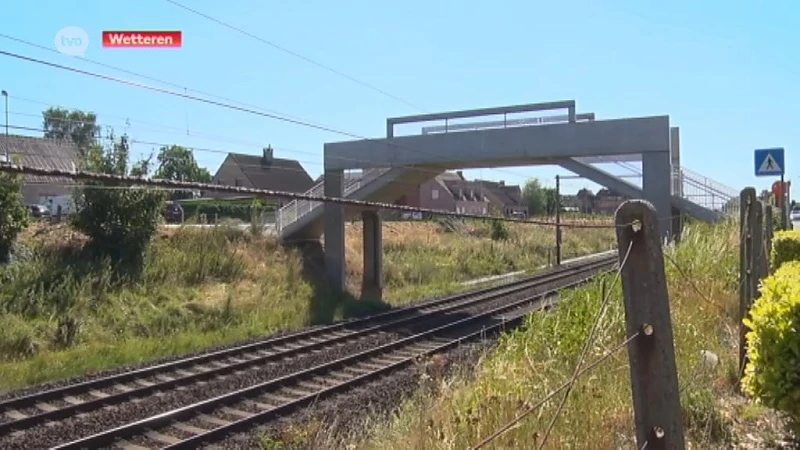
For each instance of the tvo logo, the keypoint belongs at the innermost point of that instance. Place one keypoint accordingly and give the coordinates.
(72, 41)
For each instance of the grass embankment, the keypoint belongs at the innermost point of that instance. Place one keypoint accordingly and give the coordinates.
(536, 359)
(65, 314)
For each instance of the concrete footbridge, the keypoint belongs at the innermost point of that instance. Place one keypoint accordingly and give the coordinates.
(573, 141)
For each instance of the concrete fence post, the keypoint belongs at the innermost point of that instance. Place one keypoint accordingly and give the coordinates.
(748, 209)
(653, 371)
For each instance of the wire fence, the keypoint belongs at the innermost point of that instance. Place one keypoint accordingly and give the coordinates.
(640, 271)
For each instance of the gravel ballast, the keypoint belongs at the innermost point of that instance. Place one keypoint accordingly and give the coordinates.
(96, 421)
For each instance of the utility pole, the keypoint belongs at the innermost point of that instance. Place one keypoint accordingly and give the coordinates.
(558, 220)
(5, 94)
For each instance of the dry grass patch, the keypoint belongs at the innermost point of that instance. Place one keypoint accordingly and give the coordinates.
(531, 362)
(205, 287)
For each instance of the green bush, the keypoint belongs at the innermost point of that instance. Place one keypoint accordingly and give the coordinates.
(773, 343)
(119, 222)
(14, 215)
(499, 231)
(785, 247)
(225, 209)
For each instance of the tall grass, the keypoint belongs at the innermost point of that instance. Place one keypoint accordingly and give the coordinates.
(63, 313)
(533, 361)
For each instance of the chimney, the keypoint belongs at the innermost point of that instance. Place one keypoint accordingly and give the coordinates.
(267, 157)
(460, 174)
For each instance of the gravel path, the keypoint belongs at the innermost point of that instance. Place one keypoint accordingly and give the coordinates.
(96, 421)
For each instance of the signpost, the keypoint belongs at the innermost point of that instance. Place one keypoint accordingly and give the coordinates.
(770, 162)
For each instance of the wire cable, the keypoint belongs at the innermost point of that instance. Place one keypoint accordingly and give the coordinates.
(297, 55)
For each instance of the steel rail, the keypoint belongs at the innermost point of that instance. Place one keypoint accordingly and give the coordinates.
(352, 362)
(257, 356)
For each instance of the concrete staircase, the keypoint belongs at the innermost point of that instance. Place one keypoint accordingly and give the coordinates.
(631, 190)
(699, 189)
(304, 220)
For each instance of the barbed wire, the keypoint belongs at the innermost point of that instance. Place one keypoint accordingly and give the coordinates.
(185, 185)
(596, 362)
(579, 368)
(586, 346)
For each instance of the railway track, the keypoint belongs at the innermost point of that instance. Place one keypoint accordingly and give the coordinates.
(57, 404)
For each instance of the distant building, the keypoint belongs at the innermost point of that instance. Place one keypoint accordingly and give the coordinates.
(606, 201)
(261, 172)
(46, 153)
(450, 191)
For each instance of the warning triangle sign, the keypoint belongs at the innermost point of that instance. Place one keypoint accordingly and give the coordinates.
(769, 165)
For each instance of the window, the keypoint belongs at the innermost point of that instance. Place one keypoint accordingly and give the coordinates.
(435, 194)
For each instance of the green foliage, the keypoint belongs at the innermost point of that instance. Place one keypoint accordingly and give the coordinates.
(242, 209)
(14, 216)
(120, 222)
(534, 195)
(785, 248)
(773, 343)
(777, 219)
(78, 126)
(701, 413)
(499, 231)
(177, 163)
(550, 200)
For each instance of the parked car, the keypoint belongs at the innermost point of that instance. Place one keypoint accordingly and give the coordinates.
(173, 212)
(39, 211)
(795, 215)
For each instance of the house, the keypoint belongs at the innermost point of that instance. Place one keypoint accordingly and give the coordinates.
(46, 153)
(450, 191)
(261, 172)
(606, 201)
(505, 199)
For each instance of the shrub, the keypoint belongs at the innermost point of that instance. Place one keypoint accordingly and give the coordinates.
(14, 216)
(499, 231)
(773, 344)
(785, 247)
(243, 210)
(119, 222)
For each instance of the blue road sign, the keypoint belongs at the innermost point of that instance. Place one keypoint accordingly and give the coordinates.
(769, 162)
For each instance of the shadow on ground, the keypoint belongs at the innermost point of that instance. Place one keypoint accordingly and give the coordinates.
(326, 305)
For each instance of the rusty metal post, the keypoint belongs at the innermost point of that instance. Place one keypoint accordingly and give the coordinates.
(654, 374)
(558, 220)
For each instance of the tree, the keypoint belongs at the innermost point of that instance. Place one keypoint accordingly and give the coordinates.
(119, 222)
(77, 126)
(586, 196)
(550, 200)
(178, 163)
(534, 196)
(14, 215)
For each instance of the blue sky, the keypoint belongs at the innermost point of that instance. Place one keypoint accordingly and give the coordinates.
(725, 72)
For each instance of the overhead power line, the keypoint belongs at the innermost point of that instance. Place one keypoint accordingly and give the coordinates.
(178, 94)
(152, 78)
(298, 55)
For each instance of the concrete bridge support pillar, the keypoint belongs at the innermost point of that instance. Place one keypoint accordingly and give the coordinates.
(656, 187)
(334, 230)
(373, 254)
